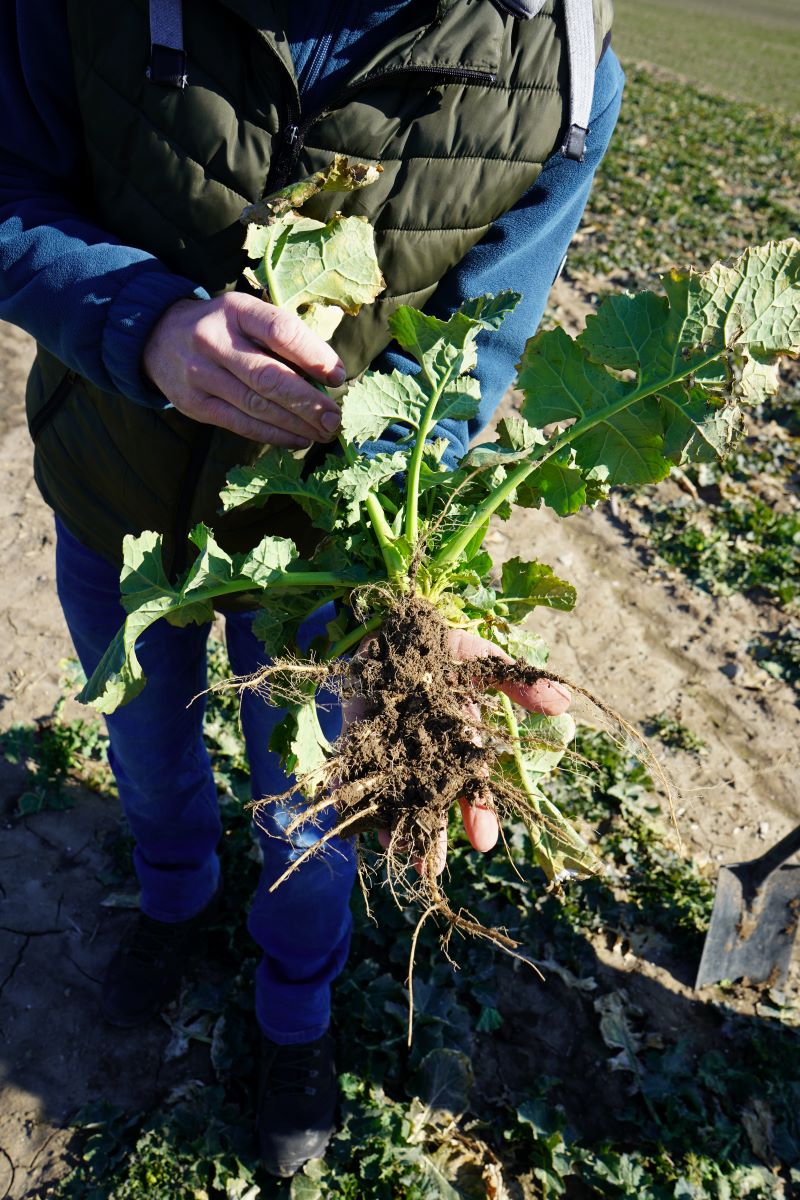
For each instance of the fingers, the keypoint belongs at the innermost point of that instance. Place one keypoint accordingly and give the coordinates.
(301, 422)
(259, 383)
(480, 823)
(545, 696)
(285, 334)
(239, 353)
(212, 410)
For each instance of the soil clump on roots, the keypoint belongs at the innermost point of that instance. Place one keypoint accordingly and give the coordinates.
(418, 740)
(415, 742)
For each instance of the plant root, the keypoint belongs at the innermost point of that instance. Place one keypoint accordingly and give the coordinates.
(420, 742)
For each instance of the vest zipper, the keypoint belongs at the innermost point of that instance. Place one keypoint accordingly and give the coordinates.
(51, 406)
(292, 138)
(310, 73)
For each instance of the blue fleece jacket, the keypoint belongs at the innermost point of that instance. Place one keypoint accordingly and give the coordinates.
(93, 301)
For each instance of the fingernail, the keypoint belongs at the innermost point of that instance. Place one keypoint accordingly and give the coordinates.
(337, 375)
(331, 421)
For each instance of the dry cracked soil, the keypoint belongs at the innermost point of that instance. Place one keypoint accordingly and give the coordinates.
(641, 637)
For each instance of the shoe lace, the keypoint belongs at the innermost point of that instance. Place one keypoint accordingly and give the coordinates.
(293, 1068)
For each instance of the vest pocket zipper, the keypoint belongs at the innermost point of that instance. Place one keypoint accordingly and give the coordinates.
(291, 140)
(51, 406)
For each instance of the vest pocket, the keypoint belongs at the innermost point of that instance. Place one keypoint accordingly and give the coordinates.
(43, 402)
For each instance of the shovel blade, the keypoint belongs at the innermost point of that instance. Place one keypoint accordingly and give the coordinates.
(751, 940)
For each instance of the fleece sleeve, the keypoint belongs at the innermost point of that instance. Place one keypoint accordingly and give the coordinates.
(86, 297)
(522, 252)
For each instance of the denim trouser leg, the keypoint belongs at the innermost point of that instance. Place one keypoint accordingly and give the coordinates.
(167, 790)
(304, 926)
(156, 749)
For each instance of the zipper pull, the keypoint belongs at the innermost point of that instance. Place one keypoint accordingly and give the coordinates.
(288, 146)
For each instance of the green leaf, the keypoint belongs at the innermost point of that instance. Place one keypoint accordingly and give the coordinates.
(562, 384)
(364, 478)
(698, 426)
(306, 264)
(695, 355)
(278, 472)
(267, 561)
(376, 401)
(519, 643)
(515, 441)
(489, 1021)
(545, 740)
(558, 848)
(445, 348)
(459, 401)
(148, 595)
(443, 1080)
(558, 483)
(527, 585)
(309, 748)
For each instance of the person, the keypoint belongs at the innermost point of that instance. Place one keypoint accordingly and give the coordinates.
(130, 142)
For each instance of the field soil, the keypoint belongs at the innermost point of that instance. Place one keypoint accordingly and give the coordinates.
(641, 638)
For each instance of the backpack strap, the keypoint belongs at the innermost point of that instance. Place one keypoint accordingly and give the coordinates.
(579, 18)
(167, 55)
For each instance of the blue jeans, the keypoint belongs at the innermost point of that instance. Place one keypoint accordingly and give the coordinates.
(167, 790)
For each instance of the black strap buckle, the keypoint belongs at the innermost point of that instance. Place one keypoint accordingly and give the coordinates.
(574, 146)
(167, 66)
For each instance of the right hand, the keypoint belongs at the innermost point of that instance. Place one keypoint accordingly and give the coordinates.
(220, 362)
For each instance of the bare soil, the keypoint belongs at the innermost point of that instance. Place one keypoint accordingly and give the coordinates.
(647, 641)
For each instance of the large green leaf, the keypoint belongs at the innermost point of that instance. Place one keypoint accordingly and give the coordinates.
(656, 380)
(561, 384)
(147, 595)
(377, 401)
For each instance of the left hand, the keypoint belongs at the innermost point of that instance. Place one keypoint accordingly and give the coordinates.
(544, 696)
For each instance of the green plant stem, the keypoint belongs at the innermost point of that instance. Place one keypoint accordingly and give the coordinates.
(415, 465)
(395, 565)
(453, 546)
(350, 639)
(287, 580)
(512, 725)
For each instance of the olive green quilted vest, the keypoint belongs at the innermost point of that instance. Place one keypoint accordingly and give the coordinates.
(461, 112)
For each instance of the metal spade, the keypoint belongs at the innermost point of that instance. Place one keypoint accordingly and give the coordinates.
(755, 918)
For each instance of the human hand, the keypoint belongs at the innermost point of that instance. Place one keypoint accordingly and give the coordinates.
(544, 696)
(229, 362)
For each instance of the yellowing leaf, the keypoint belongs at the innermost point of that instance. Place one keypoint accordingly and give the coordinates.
(305, 265)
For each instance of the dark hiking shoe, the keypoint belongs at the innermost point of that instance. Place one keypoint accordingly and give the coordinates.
(296, 1103)
(149, 963)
